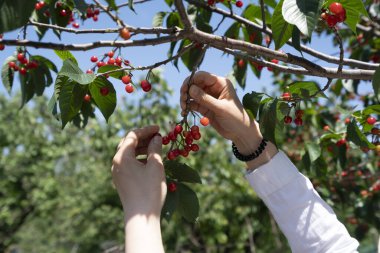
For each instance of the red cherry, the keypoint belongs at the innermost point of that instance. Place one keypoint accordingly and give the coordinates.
(371, 120)
(94, 59)
(47, 13)
(172, 187)
(32, 65)
(125, 34)
(178, 129)
(110, 54)
(126, 62)
(210, 2)
(119, 61)
(196, 135)
(90, 13)
(16, 68)
(104, 91)
(63, 13)
(275, 61)
(76, 25)
(24, 61)
(2, 47)
(111, 61)
(89, 71)
(172, 136)
(375, 131)
(37, 6)
(287, 119)
(347, 121)
(189, 139)
(87, 98)
(204, 121)
(326, 128)
(239, 4)
(95, 18)
(194, 147)
(100, 64)
(184, 153)
(96, 11)
(298, 121)
(129, 88)
(332, 20)
(341, 142)
(165, 140)
(299, 113)
(23, 71)
(286, 96)
(20, 57)
(194, 129)
(146, 86)
(58, 5)
(12, 64)
(342, 16)
(324, 15)
(241, 63)
(171, 155)
(187, 148)
(126, 79)
(336, 8)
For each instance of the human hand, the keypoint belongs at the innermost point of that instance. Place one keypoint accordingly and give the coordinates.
(140, 184)
(215, 97)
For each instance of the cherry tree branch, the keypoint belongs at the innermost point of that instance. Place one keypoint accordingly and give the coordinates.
(87, 46)
(182, 13)
(118, 21)
(262, 5)
(136, 30)
(310, 51)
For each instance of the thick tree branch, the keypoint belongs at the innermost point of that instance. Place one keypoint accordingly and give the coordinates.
(182, 13)
(136, 30)
(87, 46)
(312, 52)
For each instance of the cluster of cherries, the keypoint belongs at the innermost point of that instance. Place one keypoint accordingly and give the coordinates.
(182, 140)
(335, 14)
(24, 64)
(64, 11)
(238, 3)
(287, 96)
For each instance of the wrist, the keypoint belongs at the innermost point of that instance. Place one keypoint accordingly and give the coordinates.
(249, 139)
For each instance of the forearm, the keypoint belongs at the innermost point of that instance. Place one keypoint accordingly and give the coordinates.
(143, 234)
(309, 224)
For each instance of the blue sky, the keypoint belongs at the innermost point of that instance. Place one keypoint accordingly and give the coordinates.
(214, 62)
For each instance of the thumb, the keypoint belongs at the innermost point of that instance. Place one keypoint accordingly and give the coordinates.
(204, 99)
(155, 150)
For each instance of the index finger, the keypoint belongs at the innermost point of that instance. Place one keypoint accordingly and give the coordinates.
(203, 80)
(133, 138)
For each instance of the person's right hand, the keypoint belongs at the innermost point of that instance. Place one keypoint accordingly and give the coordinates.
(215, 97)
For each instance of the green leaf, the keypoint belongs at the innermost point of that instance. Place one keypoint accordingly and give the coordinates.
(70, 100)
(40, 59)
(375, 109)
(296, 39)
(158, 19)
(106, 104)
(81, 6)
(130, 5)
(376, 82)
(253, 13)
(37, 77)
(106, 68)
(71, 70)
(39, 17)
(356, 136)
(304, 89)
(15, 14)
(7, 74)
(188, 203)
(240, 71)
(233, 31)
(282, 30)
(65, 55)
(314, 151)
(27, 89)
(182, 172)
(268, 119)
(174, 20)
(302, 13)
(59, 82)
(251, 103)
(171, 202)
(191, 56)
(112, 4)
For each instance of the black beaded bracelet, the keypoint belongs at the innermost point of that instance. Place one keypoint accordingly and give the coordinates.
(250, 157)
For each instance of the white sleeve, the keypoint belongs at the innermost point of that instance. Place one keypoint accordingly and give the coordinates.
(309, 224)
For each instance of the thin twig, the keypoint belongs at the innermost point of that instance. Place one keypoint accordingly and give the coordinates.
(262, 5)
(153, 66)
(118, 21)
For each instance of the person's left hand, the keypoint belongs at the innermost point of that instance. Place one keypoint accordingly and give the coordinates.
(140, 183)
